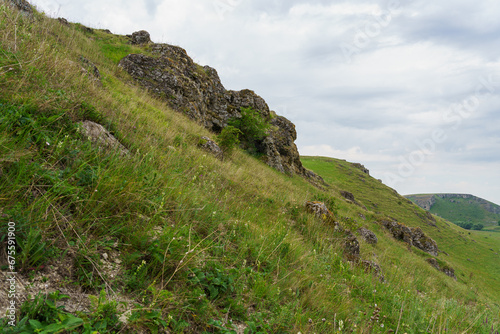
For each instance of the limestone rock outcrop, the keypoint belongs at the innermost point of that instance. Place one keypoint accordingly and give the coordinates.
(414, 236)
(197, 92)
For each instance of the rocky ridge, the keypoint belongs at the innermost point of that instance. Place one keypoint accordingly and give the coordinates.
(197, 92)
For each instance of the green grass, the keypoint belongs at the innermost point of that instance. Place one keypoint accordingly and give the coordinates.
(202, 244)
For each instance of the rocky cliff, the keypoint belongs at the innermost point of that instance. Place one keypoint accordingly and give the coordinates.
(197, 91)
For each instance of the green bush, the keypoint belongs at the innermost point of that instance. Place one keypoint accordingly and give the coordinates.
(253, 128)
(228, 139)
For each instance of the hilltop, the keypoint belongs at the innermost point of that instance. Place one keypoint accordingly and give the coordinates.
(459, 208)
(141, 196)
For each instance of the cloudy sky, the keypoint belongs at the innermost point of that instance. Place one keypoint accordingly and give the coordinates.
(409, 88)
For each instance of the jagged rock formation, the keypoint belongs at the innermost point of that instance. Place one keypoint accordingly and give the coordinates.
(198, 92)
(413, 236)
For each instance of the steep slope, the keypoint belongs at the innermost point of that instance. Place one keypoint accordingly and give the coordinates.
(121, 222)
(459, 208)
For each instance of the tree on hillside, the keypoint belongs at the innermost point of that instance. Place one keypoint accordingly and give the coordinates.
(499, 223)
(478, 227)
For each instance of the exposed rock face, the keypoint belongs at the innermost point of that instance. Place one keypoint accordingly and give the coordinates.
(368, 235)
(140, 37)
(445, 269)
(210, 146)
(414, 236)
(198, 92)
(101, 137)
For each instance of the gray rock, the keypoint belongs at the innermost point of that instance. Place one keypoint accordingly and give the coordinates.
(140, 37)
(23, 6)
(368, 235)
(210, 146)
(101, 137)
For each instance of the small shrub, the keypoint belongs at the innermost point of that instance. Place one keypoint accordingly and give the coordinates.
(228, 139)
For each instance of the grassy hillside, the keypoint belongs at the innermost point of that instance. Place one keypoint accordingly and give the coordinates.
(170, 239)
(457, 209)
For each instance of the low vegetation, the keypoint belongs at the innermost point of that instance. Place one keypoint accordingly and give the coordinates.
(168, 238)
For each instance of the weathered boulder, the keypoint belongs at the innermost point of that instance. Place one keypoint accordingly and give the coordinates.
(414, 236)
(97, 134)
(445, 269)
(368, 235)
(210, 146)
(198, 92)
(140, 37)
(347, 195)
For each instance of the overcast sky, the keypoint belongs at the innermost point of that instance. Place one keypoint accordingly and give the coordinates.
(409, 88)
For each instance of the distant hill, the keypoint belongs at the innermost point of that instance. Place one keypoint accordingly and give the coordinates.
(459, 207)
